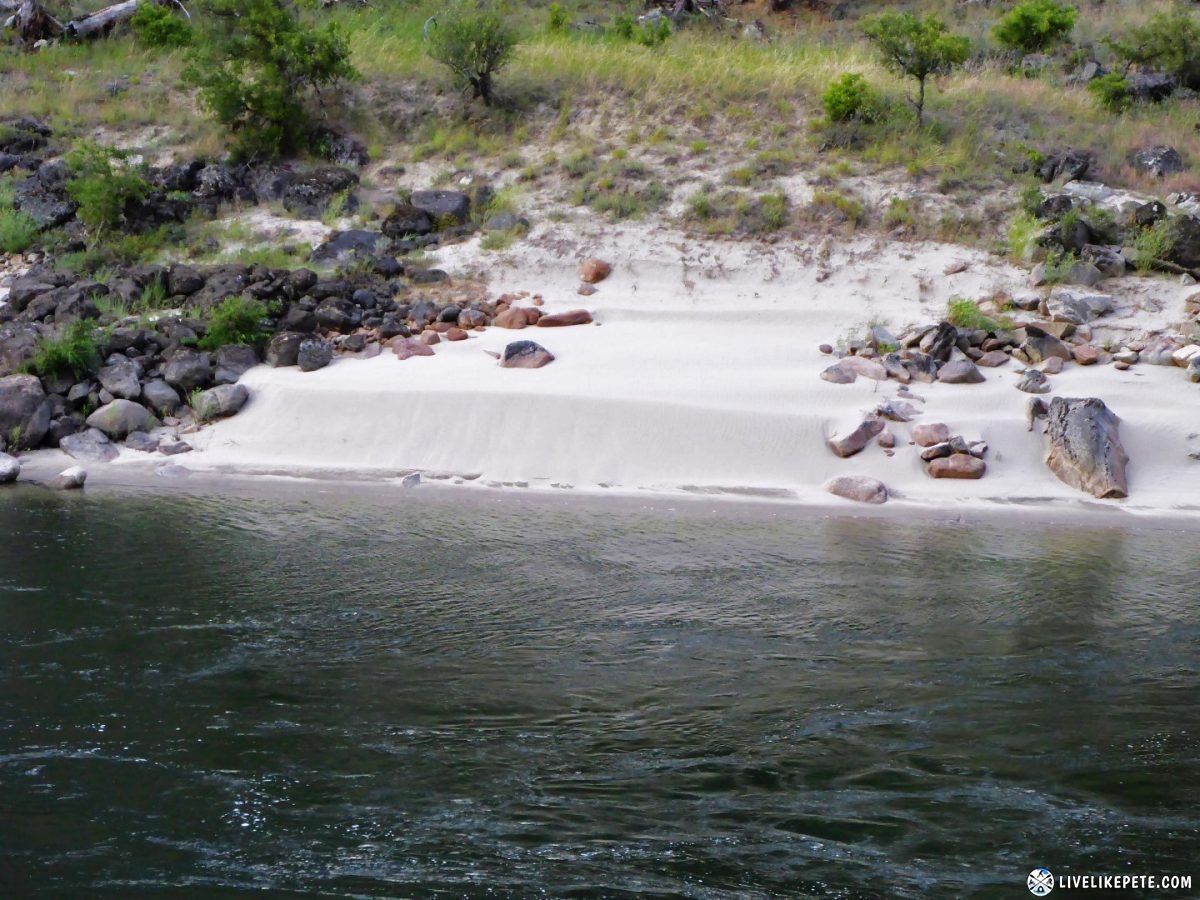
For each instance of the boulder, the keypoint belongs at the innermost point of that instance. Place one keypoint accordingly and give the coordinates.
(993, 359)
(223, 400)
(1033, 382)
(472, 318)
(25, 411)
(593, 270)
(445, 208)
(942, 342)
(121, 379)
(142, 442)
(960, 372)
(284, 348)
(91, 446)
(120, 417)
(409, 347)
(69, 479)
(188, 370)
(856, 440)
(343, 246)
(1085, 354)
(1077, 307)
(957, 465)
(1084, 447)
(893, 364)
(1159, 161)
(1039, 345)
(930, 433)
(525, 355)
(233, 361)
(183, 280)
(571, 317)
(1069, 165)
(407, 220)
(314, 354)
(10, 468)
(160, 397)
(859, 488)
(1193, 370)
(312, 194)
(922, 367)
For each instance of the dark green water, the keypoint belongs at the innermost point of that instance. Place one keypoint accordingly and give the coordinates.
(404, 694)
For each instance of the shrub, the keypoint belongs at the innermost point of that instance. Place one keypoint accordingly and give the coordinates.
(256, 67)
(102, 183)
(157, 26)
(558, 20)
(1111, 92)
(1035, 25)
(238, 320)
(17, 231)
(850, 97)
(917, 48)
(474, 43)
(1168, 42)
(1153, 245)
(75, 351)
(963, 313)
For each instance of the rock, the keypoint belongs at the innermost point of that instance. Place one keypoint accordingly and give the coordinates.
(1085, 354)
(311, 195)
(960, 372)
(1075, 307)
(1193, 446)
(858, 488)
(160, 397)
(993, 359)
(839, 374)
(429, 338)
(886, 440)
(896, 411)
(958, 465)
(1109, 261)
(1052, 366)
(445, 208)
(1193, 370)
(343, 246)
(1085, 448)
(233, 361)
(10, 468)
(1039, 345)
(25, 411)
(188, 370)
(943, 342)
(411, 480)
(848, 369)
(142, 442)
(284, 348)
(223, 400)
(472, 318)
(1127, 356)
(1159, 161)
(572, 317)
(1035, 408)
(69, 479)
(937, 451)
(314, 354)
(1184, 355)
(856, 440)
(930, 433)
(171, 470)
(407, 220)
(525, 355)
(121, 379)
(827, 349)
(456, 334)
(922, 367)
(593, 270)
(409, 347)
(1069, 165)
(183, 280)
(894, 366)
(1033, 382)
(91, 445)
(120, 417)
(174, 448)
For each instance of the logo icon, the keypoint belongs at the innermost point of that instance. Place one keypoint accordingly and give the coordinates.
(1040, 882)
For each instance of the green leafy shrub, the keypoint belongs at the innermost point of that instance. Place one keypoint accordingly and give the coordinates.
(558, 20)
(1111, 92)
(963, 313)
(76, 351)
(1169, 43)
(1152, 245)
(17, 231)
(917, 48)
(256, 69)
(474, 42)
(102, 183)
(850, 98)
(157, 26)
(237, 320)
(624, 26)
(1035, 25)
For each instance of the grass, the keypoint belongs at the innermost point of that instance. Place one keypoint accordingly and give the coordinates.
(963, 313)
(17, 231)
(76, 351)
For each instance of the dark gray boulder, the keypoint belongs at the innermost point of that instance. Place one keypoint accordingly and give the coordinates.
(960, 372)
(1159, 161)
(314, 354)
(311, 194)
(160, 396)
(120, 417)
(223, 400)
(91, 445)
(233, 361)
(407, 220)
(284, 348)
(25, 411)
(121, 379)
(1084, 447)
(446, 208)
(188, 370)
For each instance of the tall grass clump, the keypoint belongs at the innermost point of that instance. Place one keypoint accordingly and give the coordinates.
(76, 351)
(237, 320)
(17, 231)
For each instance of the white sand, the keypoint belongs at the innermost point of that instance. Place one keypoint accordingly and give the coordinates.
(702, 376)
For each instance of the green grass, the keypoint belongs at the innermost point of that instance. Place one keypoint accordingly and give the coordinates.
(962, 313)
(76, 351)
(17, 231)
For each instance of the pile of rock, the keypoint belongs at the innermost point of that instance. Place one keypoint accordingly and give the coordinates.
(947, 455)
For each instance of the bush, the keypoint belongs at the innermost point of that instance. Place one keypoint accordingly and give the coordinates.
(917, 48)
(256, 68)
(1111, 92)
(238, 320)
(1169, 43)
(474, 43)
(76, 351)
(559, 20)
(102, 183)
(963, 313)
(1035, 25)
(1153, 245)
(17, 231)
(157, 26)
(850, 97)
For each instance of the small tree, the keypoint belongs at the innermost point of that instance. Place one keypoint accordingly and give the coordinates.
(1035, 25)
(917, 48)
(256, 67)
(1169, 43)
(474, 42)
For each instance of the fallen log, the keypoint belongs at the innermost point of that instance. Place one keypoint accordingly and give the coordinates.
(33, 23)
(101, 21)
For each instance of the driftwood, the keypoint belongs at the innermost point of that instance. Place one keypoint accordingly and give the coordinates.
(33, 23)
(101, 21)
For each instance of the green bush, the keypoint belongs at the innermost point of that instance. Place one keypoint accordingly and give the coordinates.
(102, 182)
(256, 68)
(238, 320)
(1111, 92)
(1035, 25)
(76, 351)
(1169, 43)
(917, 48)
(17, 231)
(850, 97)
(157, 26)
(1153, 245)
(963, 313)
(474, 42)
(559, 20)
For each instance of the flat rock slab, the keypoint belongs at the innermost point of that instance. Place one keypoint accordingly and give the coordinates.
(858, 488)
(91, 445)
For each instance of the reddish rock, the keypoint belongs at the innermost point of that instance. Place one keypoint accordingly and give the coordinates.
(930, 433)
(406, 347)
(439, 327)
(525, 355)
(960, 465)
(959, 372)
(429, 337)
(511, 318)
(532, 315)
(1085, 354)
(826, 348)
(571, 317)
(887, 440)
(1052, 366)
(456, 334)
(585, 290)
(992, 359)
(858, 488)
(857, 439)
(593, 270)
(472, 318)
